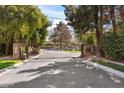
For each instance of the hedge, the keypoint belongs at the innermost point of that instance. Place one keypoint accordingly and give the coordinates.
(112, 44)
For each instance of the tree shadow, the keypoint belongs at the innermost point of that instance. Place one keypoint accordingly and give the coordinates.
(52, 75)
(51, 66)
(64, 75)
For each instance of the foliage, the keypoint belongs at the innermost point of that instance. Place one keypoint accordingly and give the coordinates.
(72, 51)
(89, 38)
(84, 19)
(112, 65)
(112, 44)
(61, 34)
(21, 20)
(88, 18)
(81, 18)
(40, 34)
(19, 23)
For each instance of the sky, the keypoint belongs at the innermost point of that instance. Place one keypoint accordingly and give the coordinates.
(55, 11)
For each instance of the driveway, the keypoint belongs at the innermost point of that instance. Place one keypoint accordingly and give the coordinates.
(58, 69)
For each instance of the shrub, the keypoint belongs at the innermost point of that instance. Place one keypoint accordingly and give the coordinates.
(89, 39)
(112, 44)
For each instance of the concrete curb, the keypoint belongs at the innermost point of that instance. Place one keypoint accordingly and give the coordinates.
(105, 68)
(8, 69)
(41, 52)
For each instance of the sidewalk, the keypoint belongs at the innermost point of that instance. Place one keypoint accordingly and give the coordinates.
(112, 71)
(106, 60)
(6, 57)
(21, 62)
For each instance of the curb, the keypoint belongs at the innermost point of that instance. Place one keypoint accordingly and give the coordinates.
(105, 68)
(7, 70)
(10, 68)
(110, 61)
(41, 52)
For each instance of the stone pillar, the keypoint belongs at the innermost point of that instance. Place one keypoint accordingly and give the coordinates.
(16, 50)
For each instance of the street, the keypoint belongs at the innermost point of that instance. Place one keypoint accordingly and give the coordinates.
(59, 69)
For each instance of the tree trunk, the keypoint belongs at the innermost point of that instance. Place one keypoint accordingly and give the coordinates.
(26, 50)
(93, 50)
(113, 18)
(98, 52)
(60, 45)
(101, 20)
(60, 42)
(82, 50)
(7, 49)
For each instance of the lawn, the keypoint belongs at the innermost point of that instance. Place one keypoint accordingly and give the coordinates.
(72, 51)
(112, 65)
(7, 63)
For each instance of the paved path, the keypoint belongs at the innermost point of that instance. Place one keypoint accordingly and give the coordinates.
(58, 69)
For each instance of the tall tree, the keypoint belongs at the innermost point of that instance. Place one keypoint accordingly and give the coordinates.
(61, 35)
(81, 18)
(96, 16)
(87, 18)
(18, 23)
(112, 14)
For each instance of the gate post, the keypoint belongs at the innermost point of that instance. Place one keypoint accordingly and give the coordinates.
(16, 50)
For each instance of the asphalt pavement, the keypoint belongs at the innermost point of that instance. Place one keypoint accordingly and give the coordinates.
(59, 69)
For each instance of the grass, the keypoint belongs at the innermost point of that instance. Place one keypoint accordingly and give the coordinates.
(112, 65)
(7, 63)
(72, 51)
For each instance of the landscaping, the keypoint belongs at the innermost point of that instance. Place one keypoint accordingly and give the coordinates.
(23, 29)
(7, 63)
(72, 51)
(111, 65)
(112, 45)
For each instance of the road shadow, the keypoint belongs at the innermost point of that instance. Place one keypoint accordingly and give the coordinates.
(56, 65)
(52, 75)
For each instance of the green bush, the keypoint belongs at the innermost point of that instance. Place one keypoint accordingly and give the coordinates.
(112, 44)
(89, 38)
